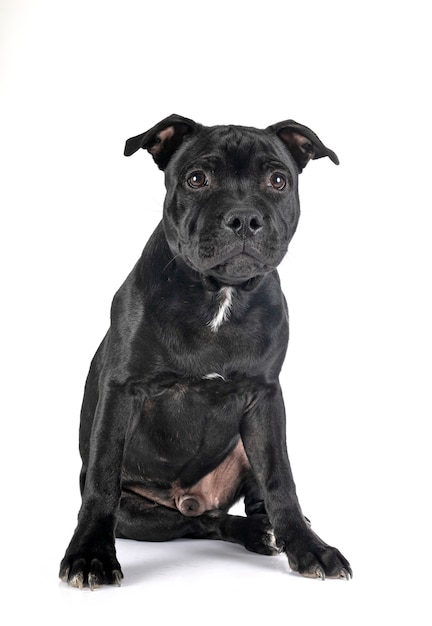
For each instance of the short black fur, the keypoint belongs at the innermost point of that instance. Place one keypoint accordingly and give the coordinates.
(183, 413)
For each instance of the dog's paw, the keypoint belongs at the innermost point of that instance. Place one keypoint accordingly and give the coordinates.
(315, 559)
(260, 536)
(90, 570)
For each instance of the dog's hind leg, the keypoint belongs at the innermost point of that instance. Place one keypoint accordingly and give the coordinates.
(253, 497)
(143, 520)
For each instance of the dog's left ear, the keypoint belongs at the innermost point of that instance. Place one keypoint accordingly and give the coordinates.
(163, 139)
(302, 142)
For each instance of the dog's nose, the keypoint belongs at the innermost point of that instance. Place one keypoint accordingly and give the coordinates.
(244, 223)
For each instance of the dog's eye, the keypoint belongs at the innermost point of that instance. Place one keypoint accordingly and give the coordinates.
(197, 180)
(277, 181)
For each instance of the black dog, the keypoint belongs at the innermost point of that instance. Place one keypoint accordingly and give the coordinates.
(183, 412)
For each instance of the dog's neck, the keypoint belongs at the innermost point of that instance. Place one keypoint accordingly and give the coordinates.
(223, 295)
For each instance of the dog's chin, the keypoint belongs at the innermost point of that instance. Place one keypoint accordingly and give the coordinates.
(237, 270)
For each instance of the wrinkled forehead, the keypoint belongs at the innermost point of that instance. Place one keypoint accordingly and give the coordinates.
(236, 147)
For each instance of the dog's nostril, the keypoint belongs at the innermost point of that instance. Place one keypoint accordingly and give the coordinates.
(254, 224)
(235, 224)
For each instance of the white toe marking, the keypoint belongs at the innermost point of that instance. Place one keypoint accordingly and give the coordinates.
(77, 581)
(271, 541)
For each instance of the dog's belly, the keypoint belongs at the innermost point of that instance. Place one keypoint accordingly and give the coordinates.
(185, 450)
(214, 491)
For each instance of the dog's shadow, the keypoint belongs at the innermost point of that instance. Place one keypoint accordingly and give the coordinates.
(143, 560)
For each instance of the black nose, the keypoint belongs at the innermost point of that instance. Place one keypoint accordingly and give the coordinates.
(244, 223)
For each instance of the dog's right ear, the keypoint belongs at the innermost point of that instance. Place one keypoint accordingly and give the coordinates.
(163, 139)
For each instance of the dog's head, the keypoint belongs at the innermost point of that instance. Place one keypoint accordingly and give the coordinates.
(232, 204)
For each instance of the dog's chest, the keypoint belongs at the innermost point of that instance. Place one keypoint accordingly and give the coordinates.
(214, 336)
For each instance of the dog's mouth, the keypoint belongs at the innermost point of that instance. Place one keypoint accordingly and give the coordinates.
(238, 269)
(238, 264)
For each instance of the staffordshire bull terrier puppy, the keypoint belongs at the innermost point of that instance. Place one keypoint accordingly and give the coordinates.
(183, 412)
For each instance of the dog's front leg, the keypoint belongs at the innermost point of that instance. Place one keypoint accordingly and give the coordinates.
(90, 558)
(264, 438)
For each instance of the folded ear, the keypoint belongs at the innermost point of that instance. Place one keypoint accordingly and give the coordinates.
(163, 139)
(302, 142)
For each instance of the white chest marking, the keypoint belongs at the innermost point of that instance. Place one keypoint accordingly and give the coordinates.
(213, 376)
(225, 298)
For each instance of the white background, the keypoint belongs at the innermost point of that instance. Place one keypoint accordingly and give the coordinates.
(80, 77)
